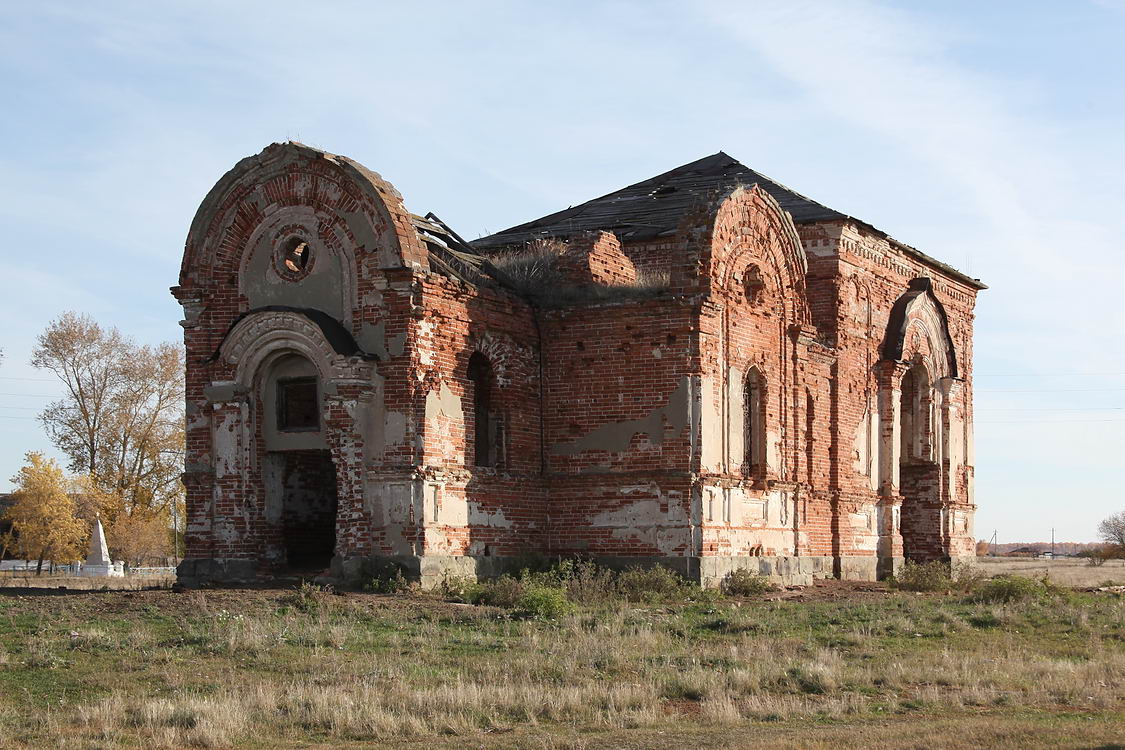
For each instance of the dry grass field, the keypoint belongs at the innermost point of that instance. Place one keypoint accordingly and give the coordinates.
(836, 665)
(1065, 571)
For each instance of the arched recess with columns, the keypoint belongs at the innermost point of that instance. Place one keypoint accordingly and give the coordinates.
(290, 432)
(923, 434)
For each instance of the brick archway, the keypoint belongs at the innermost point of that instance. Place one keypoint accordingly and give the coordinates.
(251, 347)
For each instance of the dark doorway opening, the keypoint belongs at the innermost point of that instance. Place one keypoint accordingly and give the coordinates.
(308, 509)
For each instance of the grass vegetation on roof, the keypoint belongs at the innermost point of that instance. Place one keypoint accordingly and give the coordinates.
(533, 273)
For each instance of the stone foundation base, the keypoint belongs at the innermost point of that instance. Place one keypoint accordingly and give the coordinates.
(199, 572)
(707, 571)
(890, 566)
(785, 571)
(429, 570)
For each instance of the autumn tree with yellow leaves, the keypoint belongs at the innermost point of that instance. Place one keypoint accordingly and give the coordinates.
(44, 515)
(120, 424)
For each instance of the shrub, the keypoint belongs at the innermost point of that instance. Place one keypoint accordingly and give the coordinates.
(654, 584)
(931, 576)
(504, 592)
(587, 582)
(966, 575)
(1098, 556)
(543, 603)
(384, 577)
(456, 588)
(743, 582)
(583, 580)
(1004, 589)
(524, 597)
(308, 598)
(549, 591)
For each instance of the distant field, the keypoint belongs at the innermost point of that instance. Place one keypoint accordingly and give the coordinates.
(837, 665)
(1065, 571)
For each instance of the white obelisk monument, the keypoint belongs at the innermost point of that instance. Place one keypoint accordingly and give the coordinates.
(97, 561)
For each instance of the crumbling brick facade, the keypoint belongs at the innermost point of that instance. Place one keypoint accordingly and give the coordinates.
(704, 370)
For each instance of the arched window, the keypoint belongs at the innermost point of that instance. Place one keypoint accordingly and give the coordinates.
(484, 427)
(754, 421)
(914, 414)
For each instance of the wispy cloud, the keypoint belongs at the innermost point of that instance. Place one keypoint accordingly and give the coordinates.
(124, 113)
(1037, 234)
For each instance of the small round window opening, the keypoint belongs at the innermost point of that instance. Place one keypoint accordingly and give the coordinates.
(296, 254)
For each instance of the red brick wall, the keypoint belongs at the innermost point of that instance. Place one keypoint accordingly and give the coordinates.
(619, 417)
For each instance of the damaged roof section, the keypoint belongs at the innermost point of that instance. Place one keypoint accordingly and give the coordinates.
(449, 254)
(653, 208)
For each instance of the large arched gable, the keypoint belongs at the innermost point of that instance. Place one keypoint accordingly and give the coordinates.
(351, 210)
(752, 233)
(919, 310)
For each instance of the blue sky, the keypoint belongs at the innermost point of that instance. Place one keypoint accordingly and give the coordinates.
(988, 135)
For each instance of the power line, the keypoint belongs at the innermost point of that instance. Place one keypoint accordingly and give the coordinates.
(33, 395)
(1077, 408)
(1044, 421)
(1048, 374)
(37, 380)
(1048, 390)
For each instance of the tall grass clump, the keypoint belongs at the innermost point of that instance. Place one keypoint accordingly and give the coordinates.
(308, 598)
(534, 273)
(550, 592)
(383, 577)
(1005, 589)
(931, 576)
(524, 597)
(531, 271)
(743, 582)
(654, 584)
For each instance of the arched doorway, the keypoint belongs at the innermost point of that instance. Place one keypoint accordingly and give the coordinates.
(299, 474)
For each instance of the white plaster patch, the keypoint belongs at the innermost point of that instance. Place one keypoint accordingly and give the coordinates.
(492, 518)
(736, 419)
(224, 531)
(443, 403)
(754, 512)
(644, 520)
(773, 453)
(391, 508)
(226, 446)
(425, 332)
(394, 428)
(711, 426)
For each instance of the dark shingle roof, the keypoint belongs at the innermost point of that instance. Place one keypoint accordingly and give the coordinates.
(654, 207)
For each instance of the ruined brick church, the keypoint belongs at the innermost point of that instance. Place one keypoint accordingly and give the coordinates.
(705, 369)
